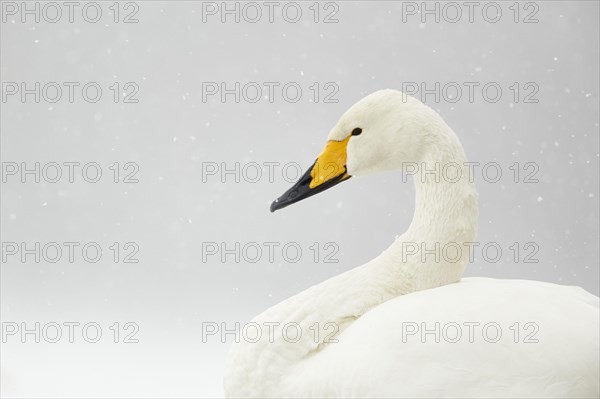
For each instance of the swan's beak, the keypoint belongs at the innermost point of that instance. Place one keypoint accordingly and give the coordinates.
(328, 170)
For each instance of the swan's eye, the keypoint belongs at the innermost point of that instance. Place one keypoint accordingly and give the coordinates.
(356, 131)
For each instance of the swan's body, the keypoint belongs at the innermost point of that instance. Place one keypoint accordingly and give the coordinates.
(374, 359)
(369, 307)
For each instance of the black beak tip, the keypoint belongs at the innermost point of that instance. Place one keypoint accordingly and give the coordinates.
(302, 190)
(281, 202)
(274, 206)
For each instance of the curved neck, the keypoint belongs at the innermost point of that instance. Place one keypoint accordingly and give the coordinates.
(435, 249)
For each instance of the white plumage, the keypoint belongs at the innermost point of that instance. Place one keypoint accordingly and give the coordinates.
(381, 309)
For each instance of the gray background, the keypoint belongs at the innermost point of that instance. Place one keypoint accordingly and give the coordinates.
(171, 211)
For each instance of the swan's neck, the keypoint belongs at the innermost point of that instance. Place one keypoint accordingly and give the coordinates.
(435, 249)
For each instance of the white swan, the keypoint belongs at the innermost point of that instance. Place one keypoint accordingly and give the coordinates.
(383, 348)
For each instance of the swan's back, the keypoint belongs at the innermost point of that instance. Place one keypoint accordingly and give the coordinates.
(556, 353)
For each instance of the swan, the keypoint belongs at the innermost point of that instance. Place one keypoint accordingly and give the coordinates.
(377, 322)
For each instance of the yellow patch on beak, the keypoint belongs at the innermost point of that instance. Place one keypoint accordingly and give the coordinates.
(330, 163)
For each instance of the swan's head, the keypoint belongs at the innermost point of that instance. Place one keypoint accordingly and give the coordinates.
(383, 131)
